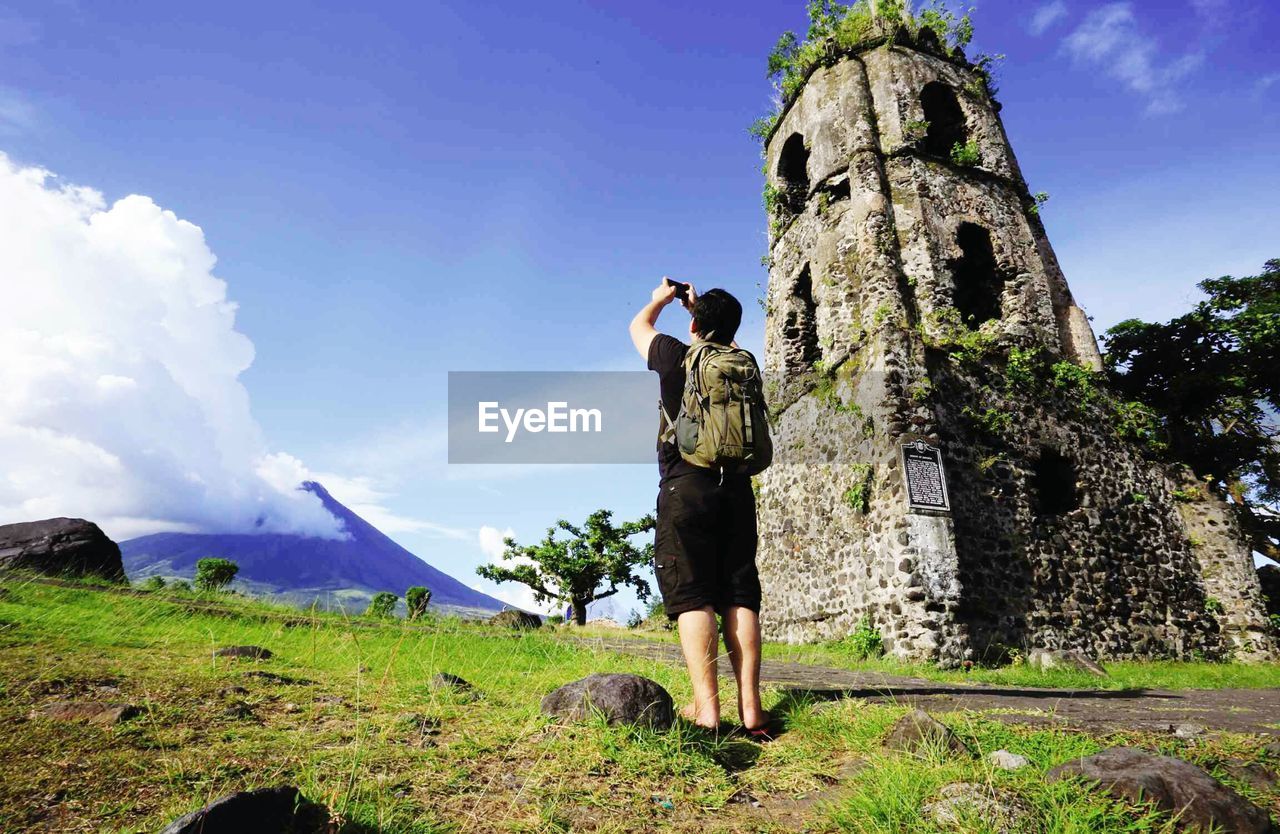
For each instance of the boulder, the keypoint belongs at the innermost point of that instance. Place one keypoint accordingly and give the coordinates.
(623, 699)
(281, 810)
(1005, 760)
(1199, 801)
(1046, 659)
(60, 547)
(514, 618)
(920, 732)
(962, 805)
(95, 712)
(246, 652)
(1268, 578)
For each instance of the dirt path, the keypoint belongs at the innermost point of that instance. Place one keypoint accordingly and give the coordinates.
(1236, 710)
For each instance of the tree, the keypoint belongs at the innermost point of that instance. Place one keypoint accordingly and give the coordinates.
(153, 583)
(215, 574)
(382, 604)
(416, 598)
(573, 569)
(1211, 376)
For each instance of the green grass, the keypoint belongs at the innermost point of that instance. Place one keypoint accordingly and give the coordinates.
(340, 731)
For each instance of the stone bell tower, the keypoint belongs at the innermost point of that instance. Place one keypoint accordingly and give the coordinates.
(944, 469)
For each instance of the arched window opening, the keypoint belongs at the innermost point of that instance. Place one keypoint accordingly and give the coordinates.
(793, 171)
(1054, 480)
(979, 283)
(942, 111)
(800, 330)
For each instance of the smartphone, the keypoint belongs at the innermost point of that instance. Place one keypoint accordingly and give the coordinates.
(682, 289)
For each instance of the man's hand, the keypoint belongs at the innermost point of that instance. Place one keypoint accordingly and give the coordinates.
(690, 297)
(664, 293)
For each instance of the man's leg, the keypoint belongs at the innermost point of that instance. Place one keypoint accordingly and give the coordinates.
(700, 642)
(742, 639)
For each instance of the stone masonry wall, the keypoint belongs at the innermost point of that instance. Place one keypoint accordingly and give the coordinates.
(867, 256)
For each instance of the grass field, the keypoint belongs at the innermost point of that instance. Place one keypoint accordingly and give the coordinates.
(343, 720)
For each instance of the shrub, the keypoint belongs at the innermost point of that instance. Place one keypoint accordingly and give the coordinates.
(865, 641)
(215, 574)
(154, 583)
(966, 154)
(181, 586)
(416, 599)
(383, 604)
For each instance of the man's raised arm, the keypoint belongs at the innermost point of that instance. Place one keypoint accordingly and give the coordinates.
(642, 329)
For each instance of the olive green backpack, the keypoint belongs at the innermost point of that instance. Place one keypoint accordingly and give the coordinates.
(722, 422)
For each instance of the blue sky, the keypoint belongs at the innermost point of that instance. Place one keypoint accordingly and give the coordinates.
(408, 189)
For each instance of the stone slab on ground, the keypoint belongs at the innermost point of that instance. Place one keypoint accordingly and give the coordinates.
(1100, 710)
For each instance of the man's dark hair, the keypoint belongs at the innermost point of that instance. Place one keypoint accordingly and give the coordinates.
(716, 315)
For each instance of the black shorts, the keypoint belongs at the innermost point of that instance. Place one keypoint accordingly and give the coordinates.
(705, 548)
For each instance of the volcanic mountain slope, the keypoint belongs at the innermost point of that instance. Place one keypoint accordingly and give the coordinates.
(304, 567)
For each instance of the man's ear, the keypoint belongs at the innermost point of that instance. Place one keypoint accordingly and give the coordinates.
(693, 326)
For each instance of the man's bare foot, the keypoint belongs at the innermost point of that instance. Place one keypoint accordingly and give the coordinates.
(753, 719)
(704, 719)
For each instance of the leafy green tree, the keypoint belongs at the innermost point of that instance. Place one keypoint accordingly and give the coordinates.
(153, 583)
(575, 568)
(215, 574)
(382, 604)
(416, 599)
(1212, 377)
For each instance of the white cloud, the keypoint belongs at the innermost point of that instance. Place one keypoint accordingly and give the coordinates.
(120, 398)
(1045, 16)
(492, 542)
(1109, 40)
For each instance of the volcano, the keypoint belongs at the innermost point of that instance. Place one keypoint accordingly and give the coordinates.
(305, 568)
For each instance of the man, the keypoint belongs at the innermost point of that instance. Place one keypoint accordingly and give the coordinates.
(705, 549)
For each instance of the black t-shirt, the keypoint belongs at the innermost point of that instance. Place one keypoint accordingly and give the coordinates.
(666, 357)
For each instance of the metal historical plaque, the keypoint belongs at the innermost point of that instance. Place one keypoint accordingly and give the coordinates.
(922, 472)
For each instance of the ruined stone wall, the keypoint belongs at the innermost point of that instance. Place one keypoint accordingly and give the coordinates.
(874, 250)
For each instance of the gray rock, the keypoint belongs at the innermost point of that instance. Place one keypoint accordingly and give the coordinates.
(1200, 801)
(60, 547)
(515, 619)
(623, 699)
(94, 712)
(1046, 659)
(281, 810)
(1005, 760)
(1272, 749)
(920, 732)
(1188, 730)
(461, 688)
(971, 803)
(244, 652)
